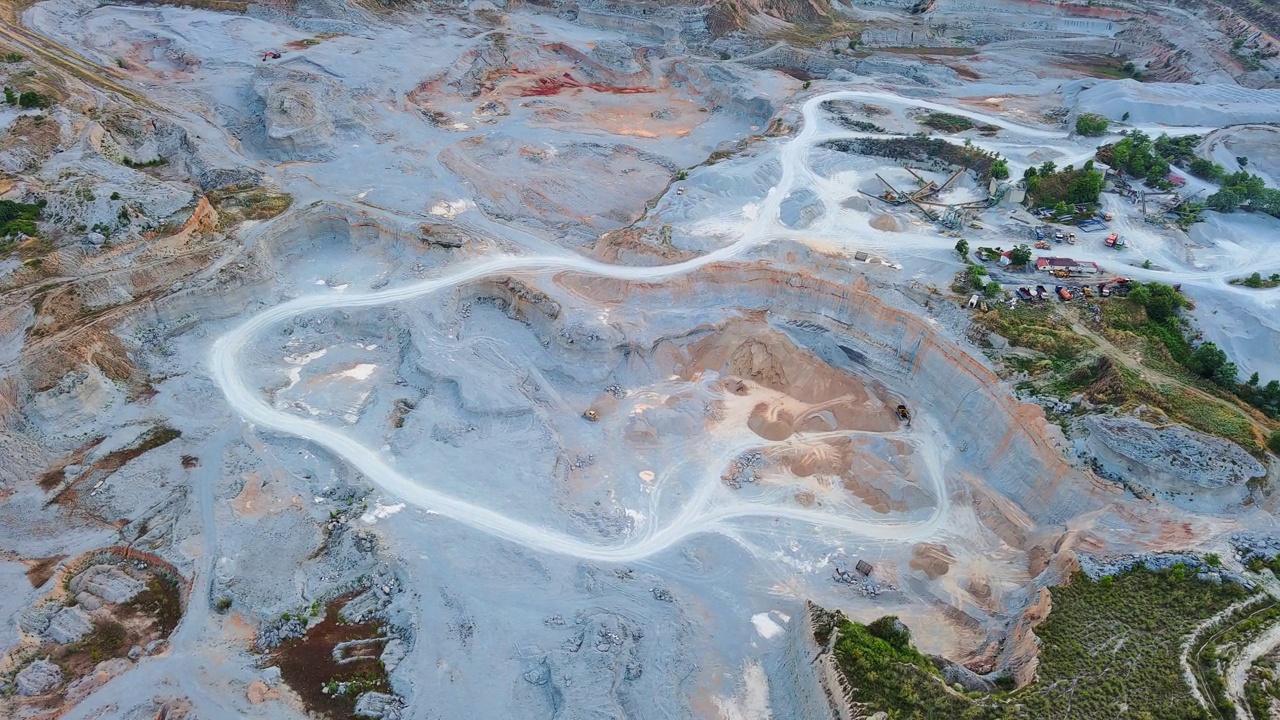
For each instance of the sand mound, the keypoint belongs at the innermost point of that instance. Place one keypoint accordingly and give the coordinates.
(887, 223)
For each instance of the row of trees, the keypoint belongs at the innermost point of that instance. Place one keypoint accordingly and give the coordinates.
(1137, 156)
(1242, 190)
(1207, 360)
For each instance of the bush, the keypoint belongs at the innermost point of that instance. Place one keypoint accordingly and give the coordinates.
(32, 99)
(1273, 442)
(1091, 125)
(1000, 169)
(946, 122)
(962, 248)
(992, 289)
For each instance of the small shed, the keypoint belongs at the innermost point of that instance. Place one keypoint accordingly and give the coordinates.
(863, 567)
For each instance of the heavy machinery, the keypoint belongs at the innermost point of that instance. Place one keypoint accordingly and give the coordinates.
(904, 414)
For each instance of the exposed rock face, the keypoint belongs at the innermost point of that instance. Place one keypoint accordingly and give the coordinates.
(302, 113)
(38, 678)
(1005, 439)
(1171, 457)
(108, 583)
(102, 673)
(378, 705)
(69, 625)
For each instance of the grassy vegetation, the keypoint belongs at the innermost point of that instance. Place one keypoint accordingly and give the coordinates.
(1115, 643)
(329, 687)
(1040, 328)
(946, 122)
(161, 601)
(888, 674)
(1110, 649)
(1073, 366)
(1210, 655)
(18, 218)
(255, 203)
(1262, 687)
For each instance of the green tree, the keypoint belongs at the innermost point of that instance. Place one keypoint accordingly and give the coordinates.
(1225, 200)
(992, 289)
(962, 248)
(31, 99)
(1206, 169)
(1208, 359)
(1029, 173)
(10, 96)
(1000, 169)
(1273, 442)
(1091, 125)
(1047, 167)
(1020, 255)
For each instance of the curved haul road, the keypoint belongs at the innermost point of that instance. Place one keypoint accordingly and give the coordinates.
(699, 516)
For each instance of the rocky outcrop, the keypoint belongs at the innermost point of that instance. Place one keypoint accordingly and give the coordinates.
(1171, 458)
(69, 625)
(805, 682)
(107, 582)
(38, 678)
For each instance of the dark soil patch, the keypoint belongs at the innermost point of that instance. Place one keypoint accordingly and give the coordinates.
(40, 570)
(111, 462)
(161, 601)
(109, 639)
(54, 476)
(307, 664)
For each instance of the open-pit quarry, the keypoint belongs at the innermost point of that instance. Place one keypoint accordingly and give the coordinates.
(600, 360)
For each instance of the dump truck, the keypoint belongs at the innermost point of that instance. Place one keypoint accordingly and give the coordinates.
(1063, 293)
(1115, 241)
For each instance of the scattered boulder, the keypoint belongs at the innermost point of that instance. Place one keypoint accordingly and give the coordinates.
(38, 678)
(379, 705)
(69, 625)
(107, 582)
(393, 653)
(101, 674)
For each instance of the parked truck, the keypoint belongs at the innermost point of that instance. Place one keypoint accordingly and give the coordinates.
(1115, 241)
